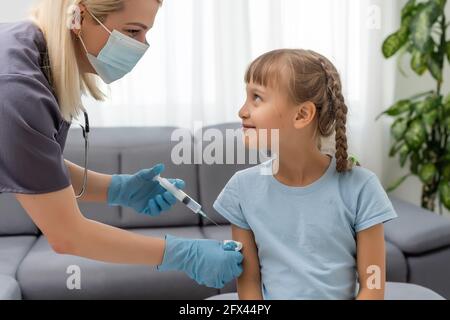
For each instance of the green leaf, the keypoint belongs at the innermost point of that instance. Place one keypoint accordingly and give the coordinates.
(404, 32)
(403, 51)
(420, 95)
(422, 107)
(446, 172)
(415, 162)
(446, 106)
(404, 152)
(397, 40)
(448, 51)
(430, 103)
(434, 68)
(418, 63)
(430, 118)
(408, 9)
(399, 127)
(447, 100)
(447, 123)
(421, 25)
(427, 173)
(444, 194)
(400, 107)
(440, 3)
(395, 148)
(397, 183)
(415, 135)
(393, 44)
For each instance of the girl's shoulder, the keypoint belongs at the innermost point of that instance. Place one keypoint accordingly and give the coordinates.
(357, 176)
(359, 183)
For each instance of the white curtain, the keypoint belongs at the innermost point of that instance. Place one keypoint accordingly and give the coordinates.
(200, 49)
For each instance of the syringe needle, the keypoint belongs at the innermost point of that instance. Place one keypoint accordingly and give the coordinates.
(182, 197)
(205, 216)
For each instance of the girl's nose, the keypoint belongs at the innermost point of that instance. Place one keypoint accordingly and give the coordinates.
(243, 113)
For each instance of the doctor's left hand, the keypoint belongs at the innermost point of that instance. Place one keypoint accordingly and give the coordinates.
(141, 193)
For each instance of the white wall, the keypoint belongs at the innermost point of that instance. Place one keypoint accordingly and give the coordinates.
(15, 10)
(406, 87)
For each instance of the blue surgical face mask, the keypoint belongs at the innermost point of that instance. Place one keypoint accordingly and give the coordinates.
(118, 57)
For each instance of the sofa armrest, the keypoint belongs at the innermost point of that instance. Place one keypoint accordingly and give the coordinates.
(416, 230)
(9, 288)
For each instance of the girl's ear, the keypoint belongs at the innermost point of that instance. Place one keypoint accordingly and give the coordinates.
(305, 114)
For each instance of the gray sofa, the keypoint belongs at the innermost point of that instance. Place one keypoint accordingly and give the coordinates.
(418, 243)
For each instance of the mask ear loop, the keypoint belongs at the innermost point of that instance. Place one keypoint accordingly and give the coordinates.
(82, 42)
(79, 16)
(99, 22)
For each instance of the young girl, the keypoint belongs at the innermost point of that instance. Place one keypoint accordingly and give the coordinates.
(314, 228)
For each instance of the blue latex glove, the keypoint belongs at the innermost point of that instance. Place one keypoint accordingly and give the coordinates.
(141, 193)
(208, 262)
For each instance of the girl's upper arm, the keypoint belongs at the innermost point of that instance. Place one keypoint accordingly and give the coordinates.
(371, 258)
(250, 252)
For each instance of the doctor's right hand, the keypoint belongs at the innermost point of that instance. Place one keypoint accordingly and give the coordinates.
(141, 193)
(208, 262)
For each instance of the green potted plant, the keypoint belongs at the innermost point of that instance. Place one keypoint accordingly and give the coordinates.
(421, 126)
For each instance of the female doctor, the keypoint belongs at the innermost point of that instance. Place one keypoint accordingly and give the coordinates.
(46, 66)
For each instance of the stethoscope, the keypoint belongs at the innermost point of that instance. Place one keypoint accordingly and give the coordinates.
(85, 129)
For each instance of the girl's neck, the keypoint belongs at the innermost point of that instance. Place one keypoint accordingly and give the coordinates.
(301, 167)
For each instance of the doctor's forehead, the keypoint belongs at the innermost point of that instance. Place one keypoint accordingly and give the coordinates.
(139, 13)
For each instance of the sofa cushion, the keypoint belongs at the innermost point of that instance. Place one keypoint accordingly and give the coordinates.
(214, 177)
(9, 288)
(408, 291)
(12, 252)
(396, 266)
(416, 230)
(13, 219)
(431, 270)
(43, 275)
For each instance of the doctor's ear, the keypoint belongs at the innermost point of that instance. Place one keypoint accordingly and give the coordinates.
(305, 114)
(76, 17)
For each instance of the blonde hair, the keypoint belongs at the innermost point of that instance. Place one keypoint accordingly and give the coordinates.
(308, 76)
(53, 17)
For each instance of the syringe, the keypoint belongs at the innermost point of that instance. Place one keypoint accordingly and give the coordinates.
(183, 197)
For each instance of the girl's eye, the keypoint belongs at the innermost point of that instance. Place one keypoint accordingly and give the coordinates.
(256, 98)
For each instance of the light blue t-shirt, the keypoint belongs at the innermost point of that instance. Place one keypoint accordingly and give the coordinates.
(306, 236)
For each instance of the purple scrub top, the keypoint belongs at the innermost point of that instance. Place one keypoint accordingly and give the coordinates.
(32, 130)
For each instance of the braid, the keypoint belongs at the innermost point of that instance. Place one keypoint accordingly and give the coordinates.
(337, 106)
